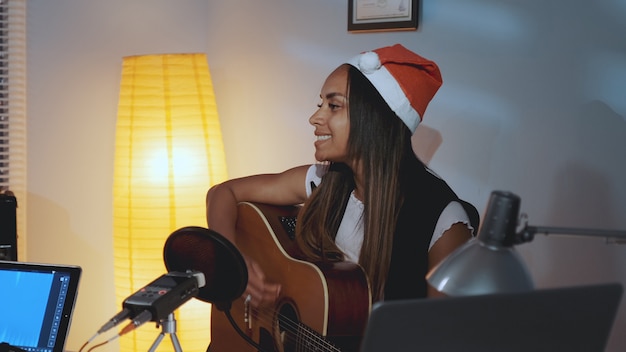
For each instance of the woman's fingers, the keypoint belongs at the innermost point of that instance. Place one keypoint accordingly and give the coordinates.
(260, 291)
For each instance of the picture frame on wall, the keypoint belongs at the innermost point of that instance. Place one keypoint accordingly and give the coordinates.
(382, 15)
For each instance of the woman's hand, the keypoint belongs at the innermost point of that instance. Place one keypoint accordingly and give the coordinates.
(259, 291)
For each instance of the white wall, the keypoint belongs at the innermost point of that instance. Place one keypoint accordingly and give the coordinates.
(75, 51)
(533, 102)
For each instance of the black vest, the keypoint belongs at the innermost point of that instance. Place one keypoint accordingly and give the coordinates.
(426, 196)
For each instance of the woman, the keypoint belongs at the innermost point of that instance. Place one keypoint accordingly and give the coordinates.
(370, 200)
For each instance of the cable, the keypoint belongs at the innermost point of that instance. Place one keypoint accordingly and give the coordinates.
(118, 318)
(139, 320)
(243, 334)
(104, 343)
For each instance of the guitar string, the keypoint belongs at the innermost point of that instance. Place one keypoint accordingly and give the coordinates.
(317, 341)
(313, 338)
(303, 337)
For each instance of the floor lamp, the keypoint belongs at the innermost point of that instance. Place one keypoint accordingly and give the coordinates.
(168, 153)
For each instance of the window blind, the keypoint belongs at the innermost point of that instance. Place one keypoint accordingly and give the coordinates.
(13, 107)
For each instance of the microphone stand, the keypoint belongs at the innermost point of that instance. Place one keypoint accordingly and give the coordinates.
(168, 326)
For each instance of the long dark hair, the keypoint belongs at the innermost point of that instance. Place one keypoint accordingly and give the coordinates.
(380, 144)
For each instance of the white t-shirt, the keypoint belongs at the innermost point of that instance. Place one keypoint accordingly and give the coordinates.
(350, 234)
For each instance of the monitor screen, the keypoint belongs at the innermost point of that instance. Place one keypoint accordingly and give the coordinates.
(37, 301)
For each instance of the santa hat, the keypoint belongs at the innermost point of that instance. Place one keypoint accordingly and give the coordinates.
(404, 79)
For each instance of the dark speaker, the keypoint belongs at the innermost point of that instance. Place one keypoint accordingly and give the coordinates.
(8, 227)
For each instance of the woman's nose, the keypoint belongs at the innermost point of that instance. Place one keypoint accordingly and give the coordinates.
(316, 118)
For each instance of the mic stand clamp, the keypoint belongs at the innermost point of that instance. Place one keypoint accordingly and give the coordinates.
(168, 326)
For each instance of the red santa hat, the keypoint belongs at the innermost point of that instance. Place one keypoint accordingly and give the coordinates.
(404, 79)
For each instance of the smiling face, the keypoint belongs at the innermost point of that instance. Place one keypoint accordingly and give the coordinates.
(331, 121)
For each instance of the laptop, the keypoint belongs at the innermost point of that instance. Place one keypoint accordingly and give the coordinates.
(562, 319)
(36, 305)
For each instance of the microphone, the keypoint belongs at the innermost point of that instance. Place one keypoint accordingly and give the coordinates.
(158, 299)
(163, 295)
(201, 263)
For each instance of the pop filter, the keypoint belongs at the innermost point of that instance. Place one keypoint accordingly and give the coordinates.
(204, 250)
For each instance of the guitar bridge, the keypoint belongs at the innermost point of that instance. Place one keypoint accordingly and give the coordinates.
(289, 224)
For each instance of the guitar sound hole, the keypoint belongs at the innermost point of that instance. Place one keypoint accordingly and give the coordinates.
(288, 327)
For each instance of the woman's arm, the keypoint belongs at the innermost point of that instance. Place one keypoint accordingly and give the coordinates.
(286, 188)
(457, 235)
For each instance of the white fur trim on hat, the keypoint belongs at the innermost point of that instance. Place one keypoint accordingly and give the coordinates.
(369, 64)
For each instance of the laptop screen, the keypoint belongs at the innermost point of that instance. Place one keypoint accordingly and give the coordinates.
(576, 318)
(37, 301)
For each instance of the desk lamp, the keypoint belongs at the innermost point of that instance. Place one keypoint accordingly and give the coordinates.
(489, 263)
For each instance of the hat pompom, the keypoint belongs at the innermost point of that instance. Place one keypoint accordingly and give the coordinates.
(369, 62)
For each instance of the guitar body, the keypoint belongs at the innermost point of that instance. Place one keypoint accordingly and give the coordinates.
(321, 307)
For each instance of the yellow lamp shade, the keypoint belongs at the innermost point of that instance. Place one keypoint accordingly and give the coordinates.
(168, 153)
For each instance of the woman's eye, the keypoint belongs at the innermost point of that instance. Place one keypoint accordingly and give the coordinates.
(330, 106)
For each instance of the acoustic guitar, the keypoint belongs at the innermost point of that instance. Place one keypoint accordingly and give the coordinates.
(322, 306)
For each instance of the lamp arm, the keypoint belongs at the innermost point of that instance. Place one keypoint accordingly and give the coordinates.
(528, 233)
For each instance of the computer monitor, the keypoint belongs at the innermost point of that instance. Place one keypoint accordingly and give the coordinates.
(37, 302)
